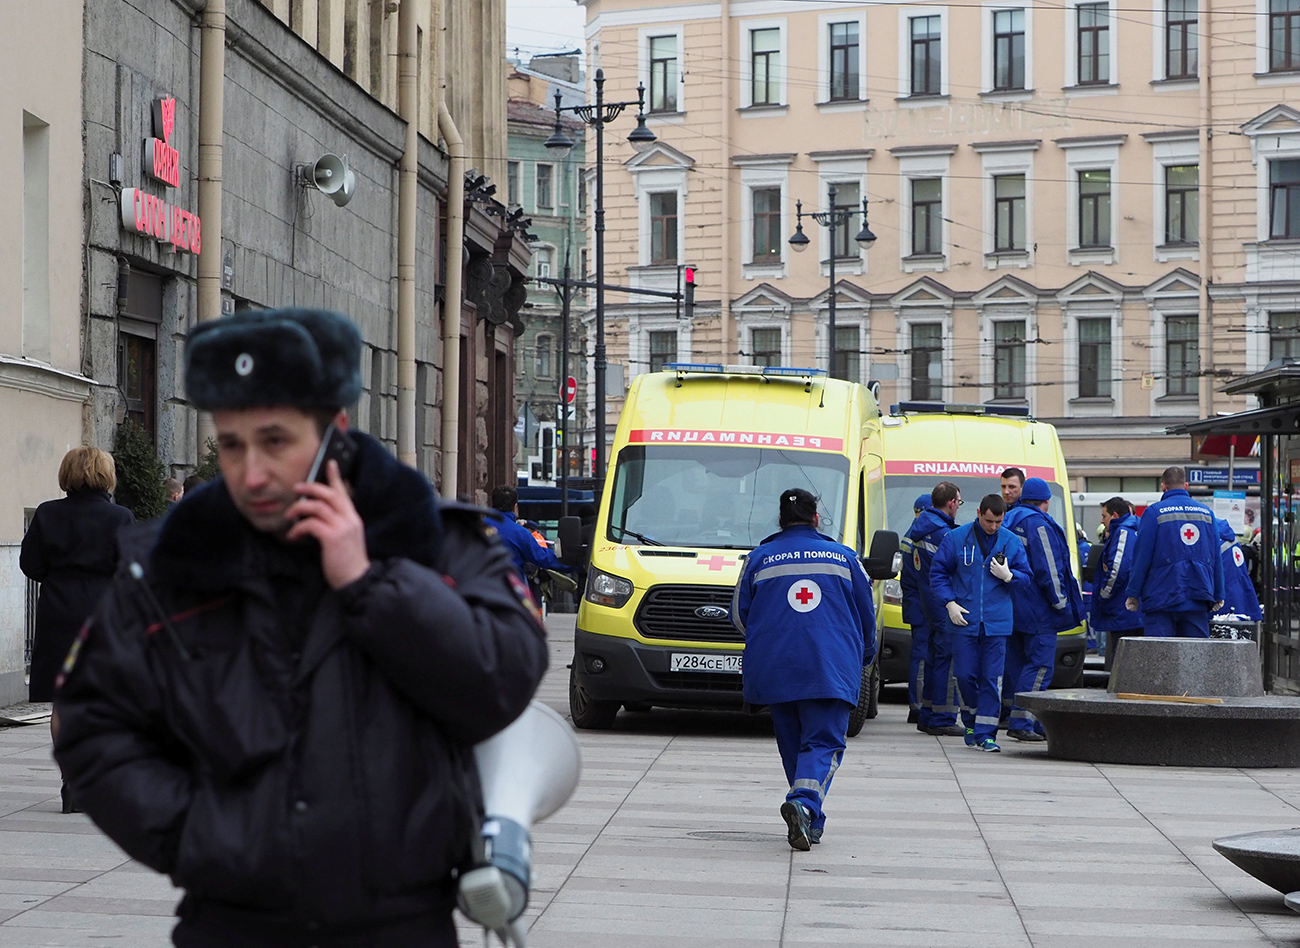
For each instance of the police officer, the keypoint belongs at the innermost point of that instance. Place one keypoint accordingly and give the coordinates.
(930, 682)
(973, 572)
(1239, 596)
(274, 700)
(1051, 604)
(1177, 578)
(1108, 615)
(804, 605)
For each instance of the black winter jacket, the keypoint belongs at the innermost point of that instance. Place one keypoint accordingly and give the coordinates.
(330, 788)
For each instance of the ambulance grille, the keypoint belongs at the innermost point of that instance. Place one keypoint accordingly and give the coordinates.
(668, 612)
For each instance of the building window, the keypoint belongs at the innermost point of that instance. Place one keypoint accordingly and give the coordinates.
(1182, 355)
(545, 185)
(663, 228)
(767, 225)
(925, 55)
(1008, 50)
(927, 366)
(1094, 358)
(848, 354)
(766, 344)
(582, 195)
(1094, 208)
(663, 349)
(582, 265)
(137, 373)
(544, 260)
(663, 74)
(1093, 43)
(1283, 336)
(847, 199)
(765, 66)
(544, 360)
(1180, 39)
(1284, 199)
(512, 184)
(927, 216)
(1009, 359)
(1283, 35)
(1009, 212)
(844, 61)
(1182, 204)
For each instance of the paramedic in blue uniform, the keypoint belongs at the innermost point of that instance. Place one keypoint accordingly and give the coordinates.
(1238, 591)
(1049, 605)
(804, 605)
(1108, 616)
(973, 574)
(914, 616)
(1177, 576)
(931, 681)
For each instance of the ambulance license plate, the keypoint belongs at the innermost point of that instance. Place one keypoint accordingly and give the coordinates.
(703, 662)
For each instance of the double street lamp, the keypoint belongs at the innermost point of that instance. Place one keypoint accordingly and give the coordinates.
(598, 116)
(832, 219)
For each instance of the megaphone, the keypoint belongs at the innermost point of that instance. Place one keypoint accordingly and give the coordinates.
(331, 175)
(528, 771)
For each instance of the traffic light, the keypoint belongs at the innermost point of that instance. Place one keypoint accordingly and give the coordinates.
(688, 300)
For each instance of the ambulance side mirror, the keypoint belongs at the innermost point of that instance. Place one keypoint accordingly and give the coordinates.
(883, 560)
(570, 537)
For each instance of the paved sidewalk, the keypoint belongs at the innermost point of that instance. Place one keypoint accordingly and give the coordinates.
(673, 841)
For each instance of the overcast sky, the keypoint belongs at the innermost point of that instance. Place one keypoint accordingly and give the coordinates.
(543, 26)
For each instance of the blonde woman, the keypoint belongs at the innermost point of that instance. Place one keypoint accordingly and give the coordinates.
(71, 550)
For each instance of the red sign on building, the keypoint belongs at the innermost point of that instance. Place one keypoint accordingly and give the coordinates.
(148, 214)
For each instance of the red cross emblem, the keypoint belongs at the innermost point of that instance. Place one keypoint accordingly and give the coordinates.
(715, 563)
(1190, 534)
(804, 596)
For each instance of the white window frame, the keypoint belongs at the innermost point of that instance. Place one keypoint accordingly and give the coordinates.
(537, 170)
(1072, 87)
(907, 15)
(640, 324)
(1091, 156)
(538, 250)
(1159, 24)
(747, 27)
(824, 23)
(1006, 159)
(1011, 312)
(857, 314)
(767, 323)
(986, 44)
(1262, 52)
(911, 166)
(757, 177)
(648, 179)
(1074, 408)
(1170, 152)
(537, 347)
(906, 317)
(519, 179)
(644, 35)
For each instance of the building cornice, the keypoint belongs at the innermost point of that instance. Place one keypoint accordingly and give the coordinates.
(843, 154)
(1090, 141)
(773, 159)
(36, 378)
(1027, 144)
(921, 151)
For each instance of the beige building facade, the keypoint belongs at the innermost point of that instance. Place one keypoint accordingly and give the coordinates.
(1093, 211)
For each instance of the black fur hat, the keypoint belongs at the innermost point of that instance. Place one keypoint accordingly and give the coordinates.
(302, 358)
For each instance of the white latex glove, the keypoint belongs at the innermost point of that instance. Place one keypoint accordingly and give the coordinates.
(956, 614)
(1131, 604)
(1001, 570)
(1217, 606)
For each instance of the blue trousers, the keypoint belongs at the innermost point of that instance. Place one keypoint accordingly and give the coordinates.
(979, 660)
(1031, 657)
(1189, 624)
(810, 736)
(918, 664)
(941, 688)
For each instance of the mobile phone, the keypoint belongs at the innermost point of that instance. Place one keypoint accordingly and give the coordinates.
(335, 445)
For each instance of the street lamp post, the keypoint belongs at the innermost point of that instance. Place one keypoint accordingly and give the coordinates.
(831, 219)
(598, 116)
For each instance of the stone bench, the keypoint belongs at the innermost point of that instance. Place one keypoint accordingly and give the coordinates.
(1248, 729)
(1272, 857)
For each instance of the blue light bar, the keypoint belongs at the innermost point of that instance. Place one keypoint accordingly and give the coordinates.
(954, 408)
(712, 368)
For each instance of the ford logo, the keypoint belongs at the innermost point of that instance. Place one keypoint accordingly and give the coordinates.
(712, 612)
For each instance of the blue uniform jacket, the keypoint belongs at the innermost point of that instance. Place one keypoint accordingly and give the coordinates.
(1113, 571)
(960, 573)
(1239, 592)
(1176, 567)
(523, 546)
(1052, 603)
(918, 548)
(804, 606)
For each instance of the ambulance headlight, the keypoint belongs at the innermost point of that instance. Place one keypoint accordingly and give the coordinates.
(606, 590)
(893, 591)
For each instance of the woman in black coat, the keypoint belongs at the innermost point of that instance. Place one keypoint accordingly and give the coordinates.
(71, 550)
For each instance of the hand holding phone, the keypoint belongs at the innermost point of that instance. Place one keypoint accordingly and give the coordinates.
(335, 445)
(324, 511)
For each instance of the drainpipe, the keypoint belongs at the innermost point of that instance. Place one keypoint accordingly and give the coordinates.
(212, 78)
(408, 107)
(451, 306)
(724, 276)
(1206, 236)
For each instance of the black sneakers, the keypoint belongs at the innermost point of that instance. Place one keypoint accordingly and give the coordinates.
(951, 730)
(1024, 734)
(799, 822)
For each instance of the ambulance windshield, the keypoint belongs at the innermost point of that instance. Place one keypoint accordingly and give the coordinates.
(720, 497)
(901, 491)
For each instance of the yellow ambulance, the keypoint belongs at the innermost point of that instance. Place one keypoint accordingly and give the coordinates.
(699, 459)
(969, 445)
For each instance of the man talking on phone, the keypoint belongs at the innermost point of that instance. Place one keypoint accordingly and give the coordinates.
(276, 700)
